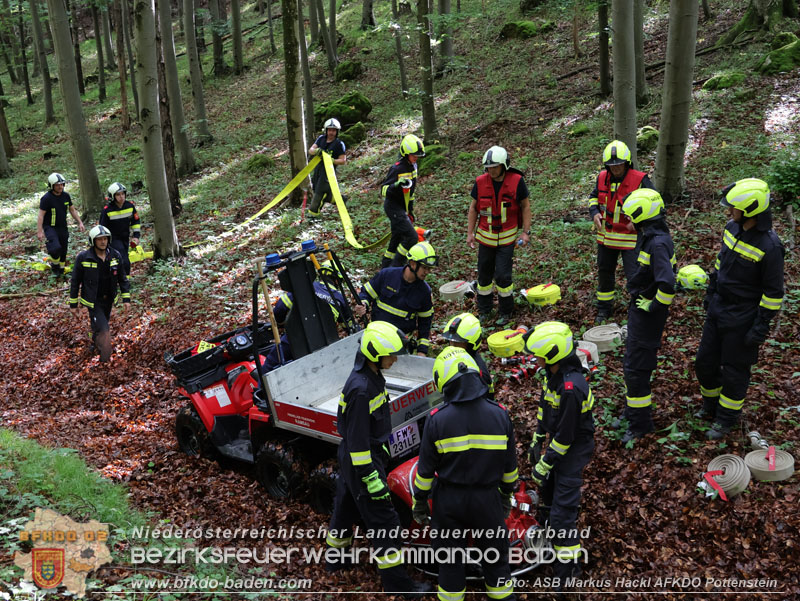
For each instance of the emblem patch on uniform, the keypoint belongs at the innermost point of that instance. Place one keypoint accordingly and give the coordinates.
(48, 567)
(567, 385)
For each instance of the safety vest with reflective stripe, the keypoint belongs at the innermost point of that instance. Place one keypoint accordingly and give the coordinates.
(610, 195)
(499, 215)
(85, 282)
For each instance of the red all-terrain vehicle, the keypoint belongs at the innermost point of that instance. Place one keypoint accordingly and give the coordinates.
(284, 421)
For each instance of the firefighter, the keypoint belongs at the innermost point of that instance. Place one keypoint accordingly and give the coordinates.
(328, 142)
(122, 220)
(401, 296)
(464, 331)
(398, 189)
(651, 288)
(95, 276)
(468, 443)
(499, 219)
(615, 234)
(362, 494)
(745, 292)
(51, 224)
(332, 297)
(565, 413)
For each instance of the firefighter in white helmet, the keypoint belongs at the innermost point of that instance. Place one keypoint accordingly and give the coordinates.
(328, 142)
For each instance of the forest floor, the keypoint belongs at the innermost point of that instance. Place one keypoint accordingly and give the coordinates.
(645, 517)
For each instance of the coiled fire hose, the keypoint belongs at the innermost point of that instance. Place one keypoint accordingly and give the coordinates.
(728, 475)
(771, 465)
(606, 337)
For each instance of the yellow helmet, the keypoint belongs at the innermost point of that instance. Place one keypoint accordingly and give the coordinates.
(751, 196)
(551, 340)
(411, 144)
(464, 328)
(329, 268)
(382, 339)
(616, 153)
(692, 277)
(643, 204)
(451, 364)
(422, 252)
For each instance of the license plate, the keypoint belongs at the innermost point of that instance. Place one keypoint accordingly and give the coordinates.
(404, 440)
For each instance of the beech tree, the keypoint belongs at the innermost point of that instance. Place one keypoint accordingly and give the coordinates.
(23, 60)
(105, 17)
(165, 239)
(308, 96)
(236, 22)
(98, 40)
(218, 29)
(41, 57)
(367, 15)
(74, 6)
(128, 35)
(638, 49)
(91, 196)
(328, 37)
(397, 34)
(624, 75)
(294, 94)
(676, 99)
(123, 91)
(428, 109)
(761, 15)
(195, 75)
(605, 65)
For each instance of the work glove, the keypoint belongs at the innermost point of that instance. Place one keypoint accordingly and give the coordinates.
(403, 181)
(377, 489)
(314, 152)
(540, 472)
(535, 450)
(134, 242)
(421, 512)
(644, 303)
(505, 501)
(757, 333)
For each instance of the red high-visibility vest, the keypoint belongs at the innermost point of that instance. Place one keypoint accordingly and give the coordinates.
(499, 217)
(614, 233)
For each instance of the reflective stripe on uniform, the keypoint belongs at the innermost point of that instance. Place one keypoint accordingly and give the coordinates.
(588, 403)
(605, 296)
(639, 402)
(423, 483)
(567, 553)
(361, 457)
(509, 477)
(368, 287)
(711, 392)
(338, 543)
(428, 313)
(390, 560)
(644, 258)
(490, 442)
(773, 304)
(500, 592)
(120, 214)
(286, 300)
(748, 251)
(444, 595)
(505, 290)
(378, 401)
(499, 239)
(87, 303)
(484, 290)
(88, 264)
(559, 448)
(390, 309)
(664, 298)
(730, 403)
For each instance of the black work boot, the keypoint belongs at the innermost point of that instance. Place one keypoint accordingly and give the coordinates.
(617, 424)
(709, 409)
(640, 423)
(718, 431)
(604, 313)
(418, 590)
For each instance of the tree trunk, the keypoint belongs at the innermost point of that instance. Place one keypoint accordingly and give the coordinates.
(624, 75)
(576, 46)
(271, 28)
(605, 67)
(260, 7)
(330, 49)
(101, 65)
(445, 37)
(8, 147)
(706, 10)
(236, 22)
(642, 94)
(14, 68)
(5, 167)
(123, 91)
(313, 23)
(105, 16)
(196, 76)
(186, 164)
(44, 68)
(428, 109)
(367, 15)
(397, 34)
(200, 34)
(74, 5)
(294, 95)
(218, 28)
(23, 60)
(167, 138)
(332, 29)
(165, 239)
(677, 99)
(308, 98)
(91, 196)
(761, 16)
(126, 25)
(12, 71)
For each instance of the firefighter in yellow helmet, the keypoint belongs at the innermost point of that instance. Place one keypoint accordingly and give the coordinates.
(464, 331)
(615, 233)
(745, 292)
(468, 444)
(398, 189)
(499, 218)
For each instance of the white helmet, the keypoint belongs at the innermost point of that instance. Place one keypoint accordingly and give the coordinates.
(116, 187)
(99, 231)
(55, 178)
(495, 156)
(331, 124)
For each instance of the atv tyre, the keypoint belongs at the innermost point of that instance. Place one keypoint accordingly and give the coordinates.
(279, 472)
(193, 438)
(322, 487)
